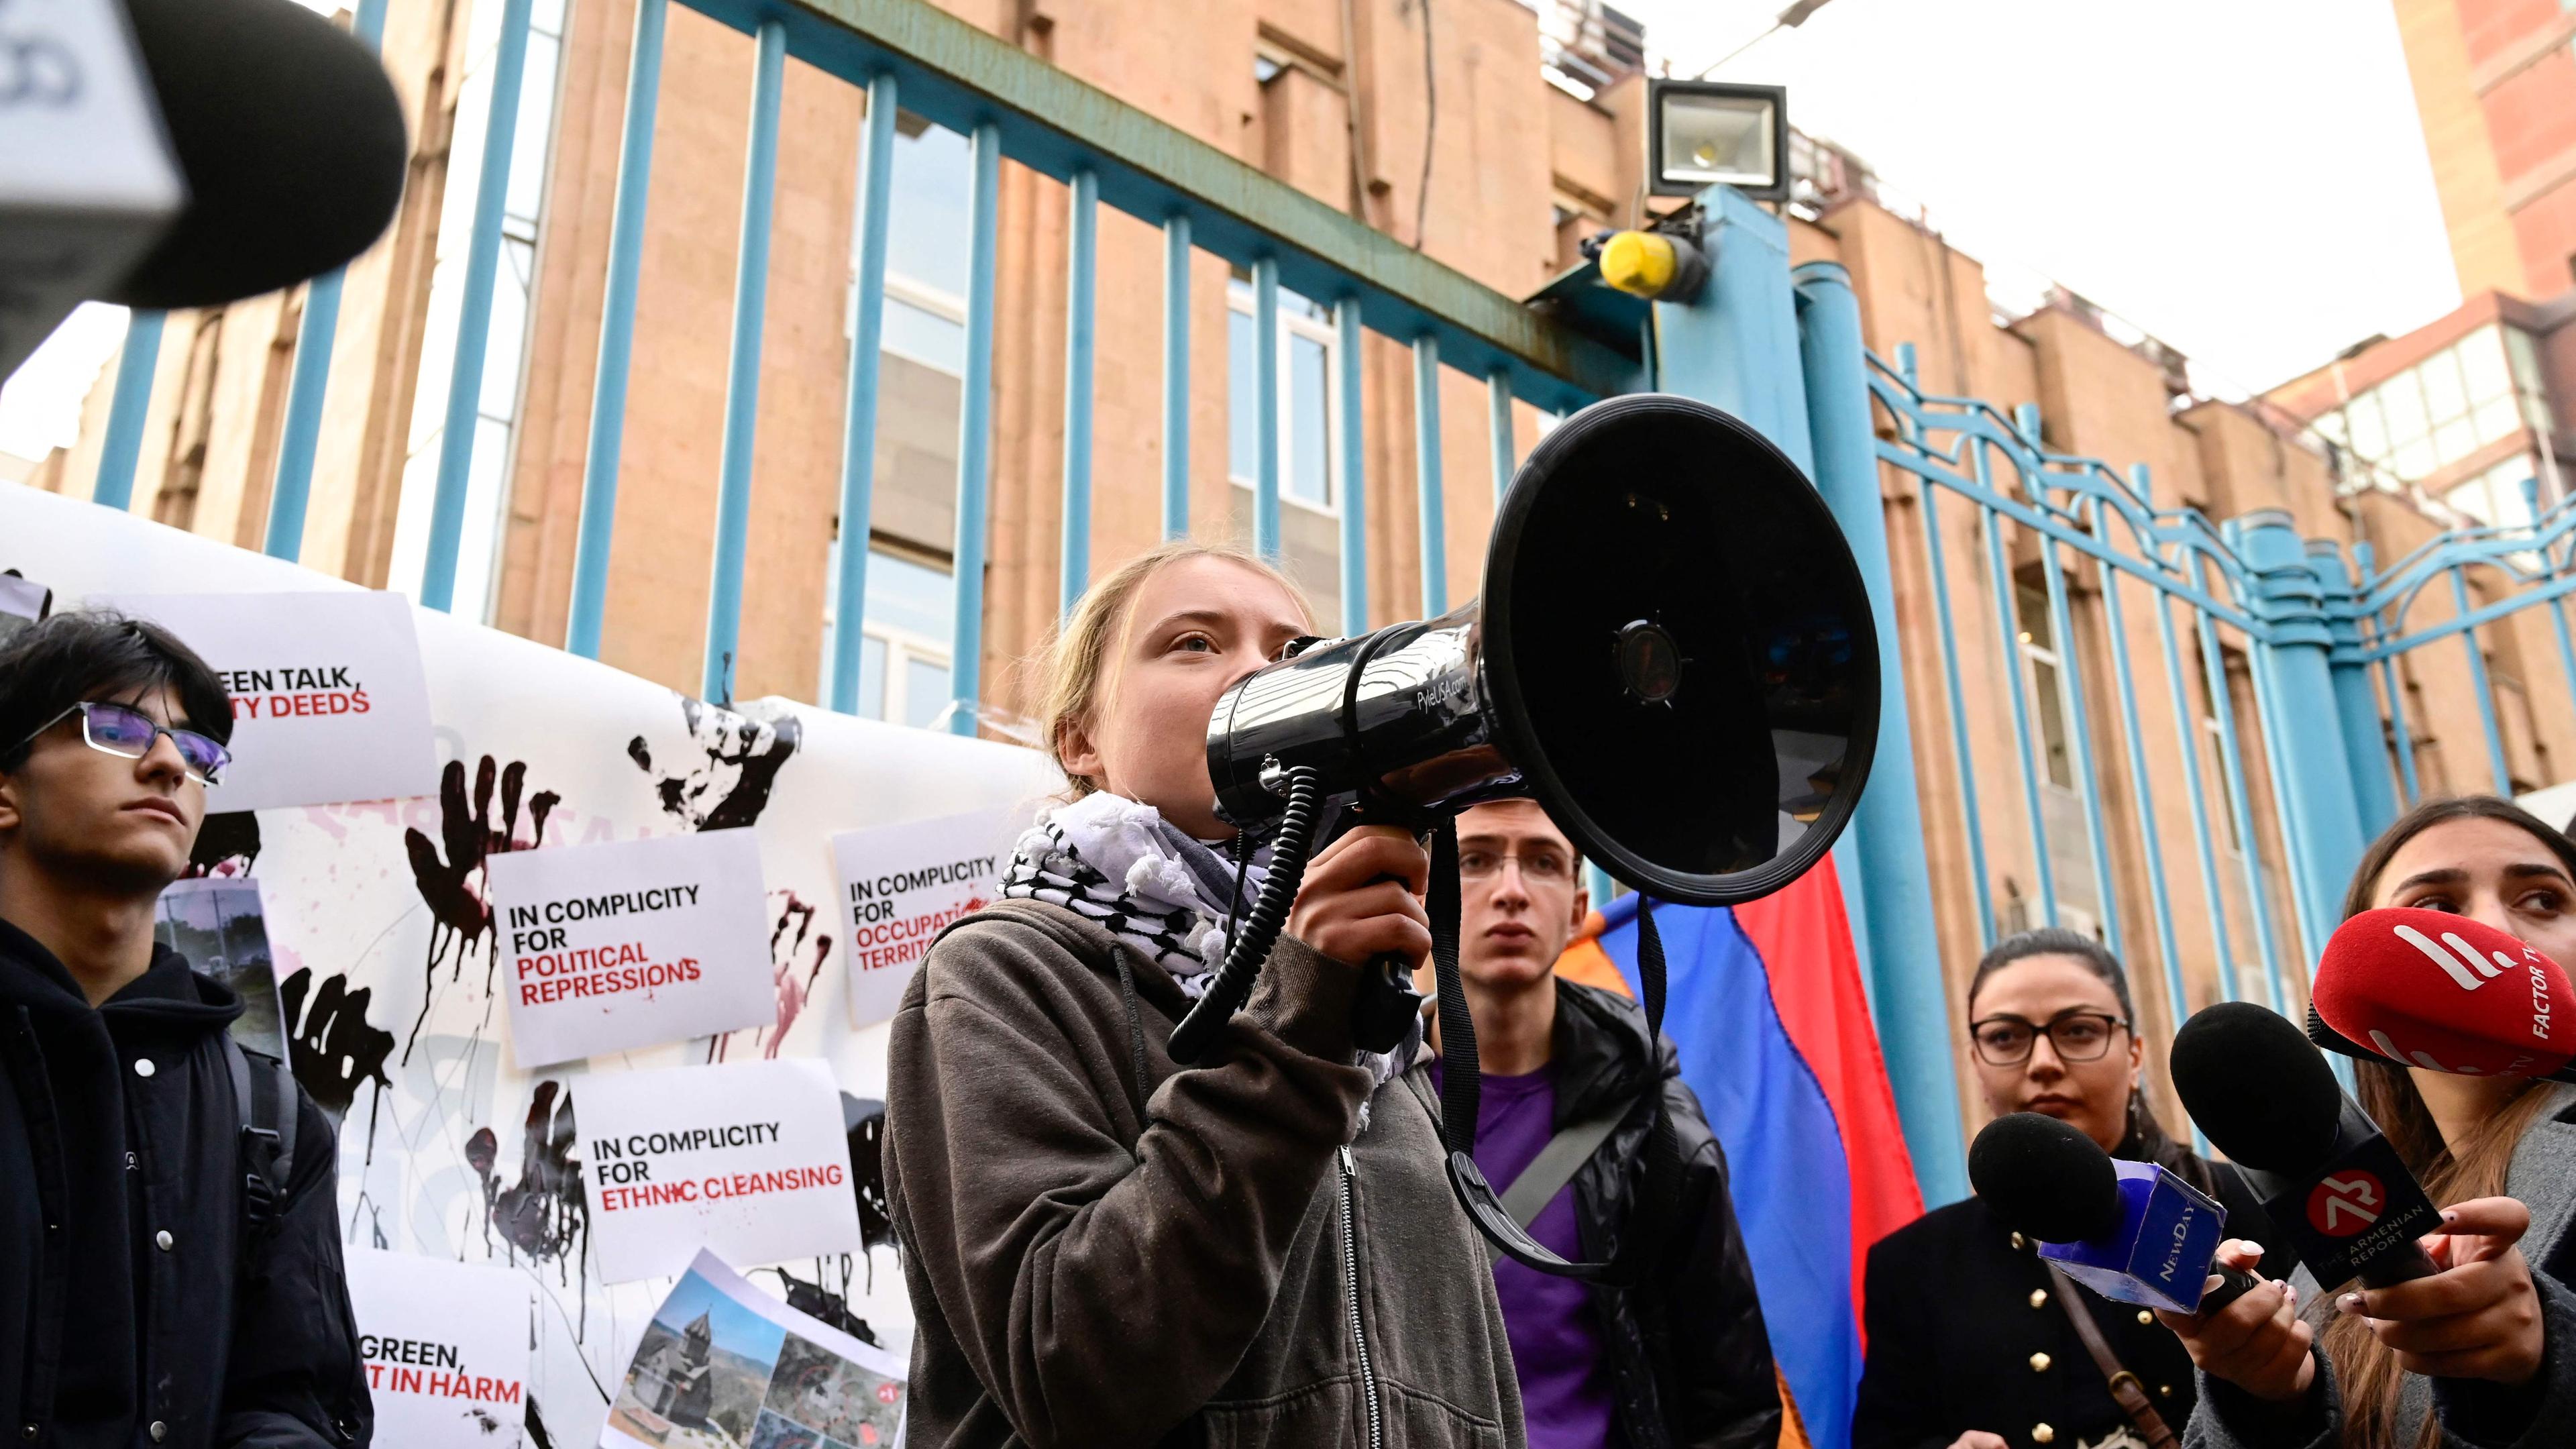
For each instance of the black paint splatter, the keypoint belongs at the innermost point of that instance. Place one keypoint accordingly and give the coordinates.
(231, 838)
(864, 1119)
(451, 876)
(730, 786)
(335, 1047)
(544, 1214)
(816, 1301)
(538, 1438)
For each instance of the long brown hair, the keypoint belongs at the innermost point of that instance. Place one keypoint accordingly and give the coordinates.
(2450, 1171)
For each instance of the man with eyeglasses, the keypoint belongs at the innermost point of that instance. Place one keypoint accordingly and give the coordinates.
(170, 1270)
(1681, 1357)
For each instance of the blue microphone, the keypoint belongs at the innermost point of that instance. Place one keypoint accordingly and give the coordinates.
(2130, 1231)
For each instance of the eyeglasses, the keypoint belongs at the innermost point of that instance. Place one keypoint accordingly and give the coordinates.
(2077, 1036)
(1542, 867)
(115, 729)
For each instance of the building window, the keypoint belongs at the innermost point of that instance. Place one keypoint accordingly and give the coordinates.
(478, 553)
(2478, 391)
(903, 641)
(1306, 421)
(2045, 677)
(2500, 496)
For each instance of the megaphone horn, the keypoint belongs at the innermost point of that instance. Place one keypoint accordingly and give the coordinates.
(1673, 656)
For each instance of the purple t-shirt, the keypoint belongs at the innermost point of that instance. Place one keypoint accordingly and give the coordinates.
(1556, 1348)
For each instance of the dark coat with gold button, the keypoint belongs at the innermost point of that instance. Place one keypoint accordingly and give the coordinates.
(1964, 1333)
(136, 1311)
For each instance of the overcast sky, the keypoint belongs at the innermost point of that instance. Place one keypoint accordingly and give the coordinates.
(2243, 178)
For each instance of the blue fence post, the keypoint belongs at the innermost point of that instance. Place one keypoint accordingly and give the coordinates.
(1075, 565)
(1735, 345)
(859, 420)
(1176, 376)
(1426, 476)
(2291, 654)
(310, 384)
(474, 314)
(1351, 484)
(1887, 829)
(974, 433)
(2480, 685)
(598, 527)
(742, 381)
(1265, 408)
(122, 443)
(2365, 745)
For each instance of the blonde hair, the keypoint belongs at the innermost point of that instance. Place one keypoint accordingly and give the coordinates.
(1075, 667)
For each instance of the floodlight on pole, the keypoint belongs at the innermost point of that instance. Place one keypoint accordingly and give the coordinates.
(1709, 133)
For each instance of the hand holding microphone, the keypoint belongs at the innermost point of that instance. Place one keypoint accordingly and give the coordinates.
(2130, 1231)
(2257, 1341)
(2479, 1318)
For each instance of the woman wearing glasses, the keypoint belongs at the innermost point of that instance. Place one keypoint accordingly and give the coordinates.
(1971, 1345)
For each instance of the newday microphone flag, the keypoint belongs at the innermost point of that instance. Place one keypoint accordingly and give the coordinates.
(1765, 1005)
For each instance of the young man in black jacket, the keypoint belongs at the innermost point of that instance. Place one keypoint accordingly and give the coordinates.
(158, 1288)
(1681, 1358)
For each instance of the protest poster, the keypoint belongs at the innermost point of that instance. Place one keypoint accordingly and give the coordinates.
(329, 700)
(221, 925)
(723, 1365)
(446, 1349)
(902, 884)
(631, 943)
(747, 1159)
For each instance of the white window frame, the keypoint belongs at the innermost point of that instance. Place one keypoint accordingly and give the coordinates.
(1292, 325)
(2034, 654)
(902, 646)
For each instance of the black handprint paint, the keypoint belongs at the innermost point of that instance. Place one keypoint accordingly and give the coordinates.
(730, 786)
(229, 839)
(544, 1214)
(335, 1047)
(451, 877)
(864, 1120)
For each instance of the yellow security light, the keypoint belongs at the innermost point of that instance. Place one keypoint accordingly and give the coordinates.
(1708, 133)
(1653, 265)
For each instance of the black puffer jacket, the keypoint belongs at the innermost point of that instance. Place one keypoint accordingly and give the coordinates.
(1687, 1346)
(130, 1317)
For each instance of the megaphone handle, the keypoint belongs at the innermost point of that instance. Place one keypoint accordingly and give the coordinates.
(1385, 1006)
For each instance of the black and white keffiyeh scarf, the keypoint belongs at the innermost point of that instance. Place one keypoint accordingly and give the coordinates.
(1120, 863)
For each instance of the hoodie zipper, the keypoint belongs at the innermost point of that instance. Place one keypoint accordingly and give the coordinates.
(1351, 1274)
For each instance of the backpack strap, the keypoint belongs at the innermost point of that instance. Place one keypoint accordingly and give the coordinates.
(1557, 1162)
(263, 1095)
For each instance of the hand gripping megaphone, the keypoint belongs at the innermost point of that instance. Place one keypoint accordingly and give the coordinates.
(1673, 656)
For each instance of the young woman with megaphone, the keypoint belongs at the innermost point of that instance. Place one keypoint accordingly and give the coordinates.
(1103, 1247)
(2482, 1351)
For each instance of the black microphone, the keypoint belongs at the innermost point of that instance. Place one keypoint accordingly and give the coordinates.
(2131, 1231)
(2267, 1099)
(291, 138)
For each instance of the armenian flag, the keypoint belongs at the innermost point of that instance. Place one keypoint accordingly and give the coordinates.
(1765, 1005)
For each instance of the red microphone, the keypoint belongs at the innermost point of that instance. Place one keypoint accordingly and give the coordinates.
(2431, 989)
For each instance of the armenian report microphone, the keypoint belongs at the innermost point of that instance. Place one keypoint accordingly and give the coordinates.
(2436, 990)
(2266, 1098)
(2130, 1231)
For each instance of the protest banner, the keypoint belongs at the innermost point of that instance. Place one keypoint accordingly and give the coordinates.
(902, 884)
(747, 1159)
(723, 1365)
(446, 1349)
(329, 700)
(389, 958)
(630, 943)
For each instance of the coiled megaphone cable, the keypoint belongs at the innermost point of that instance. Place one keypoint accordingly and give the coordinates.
(1192, 1040)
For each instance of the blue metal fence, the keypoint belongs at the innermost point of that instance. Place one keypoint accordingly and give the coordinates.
(2317, 632)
